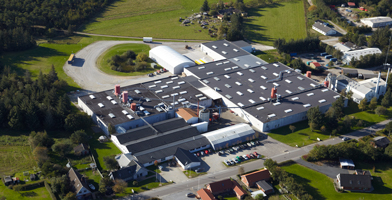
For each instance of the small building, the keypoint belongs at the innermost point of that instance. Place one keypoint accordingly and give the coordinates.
(376, 22)
(380, 142)
(352, 182)
(315, 65)
(81, 150)
(358, 54)
(124, 160)
(7, 180)
(205, 194)
(341, 47)
(186, 159)
(134, 171)
(362, 172)
(350, 72)
(226, 186)
(265, 187)
(231, 135)
(78, 184)
(346, 163)
(251, 178)
(323, 29)
(189, 115)
(351, 4)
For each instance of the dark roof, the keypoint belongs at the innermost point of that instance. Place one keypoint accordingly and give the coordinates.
(77, 180)
(352, 180)
(241, 43)
(322, 27)
(351, 3)
(352, 46)
(185, 157)
(257, 176)
(228, 48)
(362, 172)
(368, 76)
(220, 186)
(7, 179)
(127, 172)
(33, 176)
(263, 184)
(381, 141)
(81, 147)
(146, 131)
(205, 194)
(291, 82)
(156, 91)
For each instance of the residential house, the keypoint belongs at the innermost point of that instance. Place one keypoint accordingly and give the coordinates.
(205, 194)
(124, 160)
(189, 115)
(323, 28)
(265, 187)
(81, 150)
(352, 182)
(186, 159)
(315, 65)
(226, 186)
(7, 180)
(346, 163)
(251, 178)
(134, 171)
(78, 184)
(380, 142)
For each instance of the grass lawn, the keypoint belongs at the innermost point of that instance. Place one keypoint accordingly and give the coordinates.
(269, 56)
(193, 174)
(118, 50)
(278, 20)
(36, 194)
(153, 18)
(93, 177)
(304, 136)
(142, 186)
(16, 159)
(321, 187)
(100, 150)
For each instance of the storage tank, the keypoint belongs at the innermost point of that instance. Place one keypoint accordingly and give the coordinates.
(133, 106)
(309, 74)
(204, 115)
(125, 97)
(326, 83)
(117, 90)
(273, 92)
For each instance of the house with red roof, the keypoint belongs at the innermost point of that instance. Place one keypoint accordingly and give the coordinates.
(223, 186)
(351, 4)
(251, 178)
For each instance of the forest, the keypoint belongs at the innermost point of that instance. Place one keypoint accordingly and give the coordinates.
(18, 17)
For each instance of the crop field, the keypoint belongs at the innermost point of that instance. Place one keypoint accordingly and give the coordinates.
(153, 18)
(277, 20)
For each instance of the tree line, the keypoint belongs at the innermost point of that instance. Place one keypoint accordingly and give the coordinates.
(300, 45)
(283, 178)
(40, 104)
(18, 16)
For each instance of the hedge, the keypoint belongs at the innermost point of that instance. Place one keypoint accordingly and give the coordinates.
(30, 186)
(50, 190)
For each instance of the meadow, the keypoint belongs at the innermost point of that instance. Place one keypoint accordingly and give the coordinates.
(321, 187)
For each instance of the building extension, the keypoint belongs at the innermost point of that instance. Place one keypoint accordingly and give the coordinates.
(323, 28)
(349, 55)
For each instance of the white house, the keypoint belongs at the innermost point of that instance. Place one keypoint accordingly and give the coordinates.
(341, 47)
(170, 59)
(349, 55)
(375, 22)
(323, 29)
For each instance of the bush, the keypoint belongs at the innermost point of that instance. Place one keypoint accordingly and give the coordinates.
(47, 186)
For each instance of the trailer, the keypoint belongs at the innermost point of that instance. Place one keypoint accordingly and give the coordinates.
(333, 59)
(323, 54)
(293, 54)
(328, 57)
(147, 39)
(71, 58)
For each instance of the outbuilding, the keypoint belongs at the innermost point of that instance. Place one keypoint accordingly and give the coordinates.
(189, 115)
(170, 59)
(346, 163)
(315, 65)
(186, 159)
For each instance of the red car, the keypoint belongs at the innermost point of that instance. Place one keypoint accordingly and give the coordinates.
(248, 156)
(198, 154)
(206, 152)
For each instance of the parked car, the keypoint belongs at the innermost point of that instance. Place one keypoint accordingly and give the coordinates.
(228, 151)
(92, 186)
(245, 157)
(257, 142)
(199, 170)
(238, 159)
(345, 138)
(231, 150)
(235, 160)
(198, 154)
(195, 155)
(252, 143)
(209, 151)
(256, 154)
(249, 144)
(221, 153)
(232, 162)
(251, 155)
(234, 149)
(206, 152)
(189, 195)
(150, 74)
(227, 163)
(201, 153)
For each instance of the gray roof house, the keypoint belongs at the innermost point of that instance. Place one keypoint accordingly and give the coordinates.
(124, 160)
(380, 142)
(352, 182)
(78, 184)
(132, 172)
(323, 29)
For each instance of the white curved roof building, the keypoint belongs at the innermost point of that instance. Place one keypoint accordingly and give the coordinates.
(170, 59)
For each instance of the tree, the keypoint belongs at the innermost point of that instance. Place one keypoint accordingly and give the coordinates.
(205, 7)
(141, 57)
(312, 8)
(349, 94)
(156, 163)
(52, 76)
(359, 123)
(40, 155)
(363, 104)
(16, 118)
(70, 196)
(77, 121)
(111, 129)
(259, 197)
(119, 186)
(388, 151)
(315, 117)
(388, 127)
(381, 110)
(104, 183)
(292, 128)
(386, 101)
(79, 136)
(347, 121)
(323, 129)
(373, 103)
(62, 147)
(135, 183)
(40, 139)
(241, 170)
(269, 163)
(110, 162)
(313, 126)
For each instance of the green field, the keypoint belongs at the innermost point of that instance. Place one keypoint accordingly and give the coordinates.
(16, 159)
(301, 136)
(118, 50)
(321, 187)
(278, 20)
(36, 194)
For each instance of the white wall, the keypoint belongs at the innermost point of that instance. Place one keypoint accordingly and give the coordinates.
(318, 30)
(211, 53)
(201, 127)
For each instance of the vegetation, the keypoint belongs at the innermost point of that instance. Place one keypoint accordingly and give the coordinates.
(265, 23)
(299, 45)
(101, 150)
(321, 187)
(39, 193)
(110, 162)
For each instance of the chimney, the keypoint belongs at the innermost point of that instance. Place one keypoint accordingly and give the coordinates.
(125, 96)
(309, 74)
(378, 82)
(273, 92)
(133, 106)
(117, 90)
(326, 83)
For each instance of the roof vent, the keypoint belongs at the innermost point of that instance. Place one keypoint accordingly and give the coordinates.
(157, 82)
(238, 83)
(226, 44)
(260, 108)
(276, 104)
(300, 78)
(235, 67)
(313, 85)
(176, 87)
(151, 86)
(288, 91)
(219, 64)
(217, 89)
(262, 87)
(310, 94)
(209, 73)
(324, 90)
(246, 65)
(227, 69)
(202, 67)
(275, 74)
(228, 96)
(114, 102)
(109, 98)
(148, 100)
(228, 86)
(174, 78)
(125, 112)
(181, 82)
(295, 98)
(158, 91)
(236, 50)
(213, 46)
(257, 62)
(137, 91)
(301, 88)
(262, 98)
(336, 97)
(277, 85)
(252, 101)
(307, 105)
(224, 52)
(183, 92)
(288, 110)
(111, 115)
(271, 115)
(236, 59)
(164, 86)
(322, 101)
(101, 105)
(250, 91)
(174, 94)
(263, 77)
(240, 93)
(252, 70)
(227, 76)
(202, 98)
(198, 95)
(169, 82)
(92, 96)
(251, 80)
(129, 116)
(240, 104)
(240, 73)
(288, 81)
(206, 81)
(217, 79)
(263, 67)
(226, 62)
(276, 65)
(166, 96)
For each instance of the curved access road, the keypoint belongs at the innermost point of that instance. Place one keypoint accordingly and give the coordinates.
(85, 73)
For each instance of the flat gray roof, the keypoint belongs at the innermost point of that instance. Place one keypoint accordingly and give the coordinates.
(241, 43)
(226, 48)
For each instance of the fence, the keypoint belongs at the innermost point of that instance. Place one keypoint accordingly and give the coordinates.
(96, 166)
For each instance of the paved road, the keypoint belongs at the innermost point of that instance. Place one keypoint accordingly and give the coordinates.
(338, 28)
(178, 190)
(85, 73)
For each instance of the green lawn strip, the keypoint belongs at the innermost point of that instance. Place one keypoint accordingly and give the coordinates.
(277, 20)
(35, 194)
(304, 136)
(321, 187)
(104, 66)
(142, 186)
(269, 56)
(100, 150)
(93, 177)
(193, 174)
